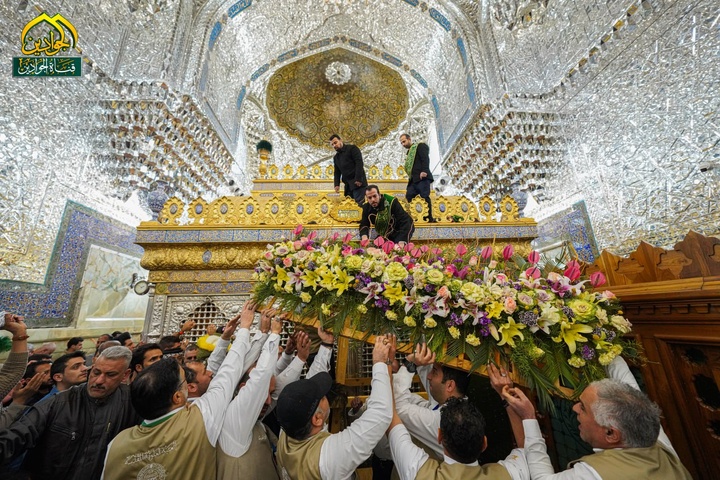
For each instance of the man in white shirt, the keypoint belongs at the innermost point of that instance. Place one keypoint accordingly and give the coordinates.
(305, 450)
(621, 424)
(462, 436)
(246, 444)
(422, 417)
(177, 439)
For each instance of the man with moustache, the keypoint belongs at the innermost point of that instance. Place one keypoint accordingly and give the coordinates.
(387, 216)
(67, 434)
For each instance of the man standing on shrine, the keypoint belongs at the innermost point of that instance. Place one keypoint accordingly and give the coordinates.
(349, 167)
(388, 217)
(417, 166)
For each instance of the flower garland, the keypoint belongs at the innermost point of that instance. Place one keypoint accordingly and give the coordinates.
(546, 322)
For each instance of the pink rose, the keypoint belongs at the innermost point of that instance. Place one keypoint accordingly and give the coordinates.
(534, 257)
(510, 305)
(486, 252)
(492, 264)
(287, 262)
(297, 244)
(347, 250)
(508, 252)
(444, 292)
(597, 279)
(460, 249)
(533, 272)
(268, 255)
(473, 261)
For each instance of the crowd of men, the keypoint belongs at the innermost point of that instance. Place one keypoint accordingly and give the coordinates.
(148, 411)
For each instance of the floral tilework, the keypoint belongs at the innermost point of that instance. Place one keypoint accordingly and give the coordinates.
(51, 304)
(572, 224)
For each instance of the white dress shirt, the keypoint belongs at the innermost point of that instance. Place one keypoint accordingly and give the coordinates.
(341, 453)
(536, 451)
(409, 458)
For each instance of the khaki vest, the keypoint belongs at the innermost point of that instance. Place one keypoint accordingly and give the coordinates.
(300, 459)
(434, 470)
(258, 462)
(654, 463)
(177, 448)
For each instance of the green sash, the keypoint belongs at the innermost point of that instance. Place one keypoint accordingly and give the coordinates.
(410, 159)
(382, 220)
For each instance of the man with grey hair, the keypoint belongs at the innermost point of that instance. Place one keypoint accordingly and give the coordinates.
(621, 424)
(67, 435)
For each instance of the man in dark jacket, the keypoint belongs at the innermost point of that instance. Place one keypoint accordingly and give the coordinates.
(388, 217)
(68, 433)
(417, 166)
(349, 166)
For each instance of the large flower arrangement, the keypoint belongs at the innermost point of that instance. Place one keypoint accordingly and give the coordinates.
(548, 323)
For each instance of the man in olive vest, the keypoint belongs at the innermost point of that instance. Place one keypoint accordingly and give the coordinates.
(462, 436)
(417, 167)
(177, 439)
(621, 424)
(306, 450)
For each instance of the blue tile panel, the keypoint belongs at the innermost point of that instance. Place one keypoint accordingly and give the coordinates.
(241, 97)
(259, 72)
(572, 224)
(214, 34)
(52, 303)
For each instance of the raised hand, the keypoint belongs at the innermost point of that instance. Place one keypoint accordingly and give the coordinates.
(498, 378)
(303, 345)
(422, 356)
(383, 347)
(247, 315)
(325, 336)
(25, 393)
(266, 318)
(519, 402)
(276, 325)
(291, 346)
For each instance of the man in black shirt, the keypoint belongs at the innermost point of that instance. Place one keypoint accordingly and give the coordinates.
(417, 166)
(349, 166)
(388, 217)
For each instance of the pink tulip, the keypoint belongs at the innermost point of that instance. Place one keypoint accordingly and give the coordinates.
(460, 249)
(347, 238)
(572, 271)
(388, 247)
(534, 257)
(424, 248)
(416, 252)
(312, 235)
(597, 279)
(533, 272)
(298, 230)
(334, 236)
(365, 242)
(508, 252)
(379, 241)
(486, 252)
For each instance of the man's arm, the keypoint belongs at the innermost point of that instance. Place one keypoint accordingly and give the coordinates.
(243, 412)
(341, 453)
(25, 432)
(365, 222)
(408, 457)
(422, 158)
(222, 386)
(357, 159)
(336, 173)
